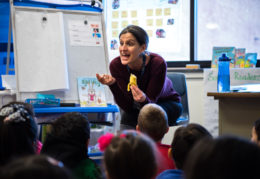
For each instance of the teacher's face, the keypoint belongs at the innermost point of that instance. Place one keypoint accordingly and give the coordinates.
(130, 49)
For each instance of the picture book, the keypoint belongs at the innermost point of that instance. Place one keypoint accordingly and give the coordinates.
(218, 51)
(240, 57)
(91, 92)
(250, 60)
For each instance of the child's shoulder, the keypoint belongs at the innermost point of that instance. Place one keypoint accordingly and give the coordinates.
(88, 169)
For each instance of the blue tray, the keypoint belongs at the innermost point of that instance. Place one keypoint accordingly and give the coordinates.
(42, 103)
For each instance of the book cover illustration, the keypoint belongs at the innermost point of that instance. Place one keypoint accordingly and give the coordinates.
(240, 54)
(250, 60)
(91, 92)
(218, 51)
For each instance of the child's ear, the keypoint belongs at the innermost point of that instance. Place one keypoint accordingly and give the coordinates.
(170, 152)
(87, 142)
(137, 128)
(107, 175)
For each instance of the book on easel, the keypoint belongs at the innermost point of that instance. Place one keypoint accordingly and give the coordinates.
(91, 92)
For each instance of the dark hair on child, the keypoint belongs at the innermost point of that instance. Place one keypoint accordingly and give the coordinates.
(18, 131)
(35, 166)
(184, 139)
(138, 32)
(72, 126)
(153, 121)
(224, 157)
(131, 156)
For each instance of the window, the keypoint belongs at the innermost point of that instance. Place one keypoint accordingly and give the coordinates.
(199, 25)
(167, 23)
(227, 23)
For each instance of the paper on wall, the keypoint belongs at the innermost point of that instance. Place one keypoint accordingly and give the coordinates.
(41, 63)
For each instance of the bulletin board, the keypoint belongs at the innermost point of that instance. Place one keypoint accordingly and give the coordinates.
(53, 47)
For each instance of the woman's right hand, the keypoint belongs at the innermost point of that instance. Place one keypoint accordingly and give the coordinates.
(106, 79)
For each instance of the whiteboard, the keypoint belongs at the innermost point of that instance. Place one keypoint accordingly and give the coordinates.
(69, 49)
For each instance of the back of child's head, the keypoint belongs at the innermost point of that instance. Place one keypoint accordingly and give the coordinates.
(153, 121)
(35, 166)
(255, 137)
(18, 131)
(130, 155)
(72, 126)
(184, 139)
(225, 157)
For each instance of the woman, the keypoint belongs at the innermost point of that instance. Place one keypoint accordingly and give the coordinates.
(152, 86)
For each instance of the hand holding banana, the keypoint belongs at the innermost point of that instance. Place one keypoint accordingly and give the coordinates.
(138, 95)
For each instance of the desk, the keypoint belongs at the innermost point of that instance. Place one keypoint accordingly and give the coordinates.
(237, 112)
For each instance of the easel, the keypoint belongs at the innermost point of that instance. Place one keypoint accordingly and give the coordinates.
(89, 55)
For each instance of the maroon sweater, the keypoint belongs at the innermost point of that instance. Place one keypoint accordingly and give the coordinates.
(154, 83)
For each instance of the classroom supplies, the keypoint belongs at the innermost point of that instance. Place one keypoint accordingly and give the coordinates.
(42, 103)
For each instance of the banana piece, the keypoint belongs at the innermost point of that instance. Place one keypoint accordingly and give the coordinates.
(132, 81)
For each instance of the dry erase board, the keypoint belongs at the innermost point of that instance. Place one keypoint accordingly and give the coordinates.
(54, 47)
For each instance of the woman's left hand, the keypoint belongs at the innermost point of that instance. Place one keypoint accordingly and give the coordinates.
(138, 94)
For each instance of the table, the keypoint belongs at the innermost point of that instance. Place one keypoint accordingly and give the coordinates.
(48, 114)
(44, 115)
(237, 112)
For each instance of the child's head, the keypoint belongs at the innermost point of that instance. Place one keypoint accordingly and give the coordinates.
(68, 139)
(153, 121)
(131, 155)
(35, 166)
(72, 126)
(18, 131)
(255, 134)
(224, 157)
(184, 139)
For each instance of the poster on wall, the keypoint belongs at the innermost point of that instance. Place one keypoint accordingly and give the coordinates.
(165, 21)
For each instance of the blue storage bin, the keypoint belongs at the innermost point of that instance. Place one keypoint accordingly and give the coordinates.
(42, 103)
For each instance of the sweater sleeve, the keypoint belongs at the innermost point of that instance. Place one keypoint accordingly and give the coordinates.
(123, 98)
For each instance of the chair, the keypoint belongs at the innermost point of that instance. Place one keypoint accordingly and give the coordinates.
(179, 84)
